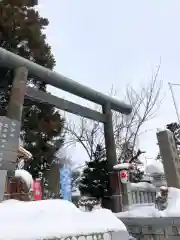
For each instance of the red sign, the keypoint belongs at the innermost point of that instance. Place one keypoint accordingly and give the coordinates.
(37, 190)
(124, 176)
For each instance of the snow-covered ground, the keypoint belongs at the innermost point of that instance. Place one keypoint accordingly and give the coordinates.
(141, 210)
(54, 218)
(149, 210)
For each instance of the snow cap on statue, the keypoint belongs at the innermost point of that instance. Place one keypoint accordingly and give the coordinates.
(164, 188)
(26, 177)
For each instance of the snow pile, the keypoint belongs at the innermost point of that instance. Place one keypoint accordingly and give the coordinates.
(141, 210)
(173, 207)
(154, 167)
(132, 238)
(26, 176)
(149, 210)
(54, 218)
(76, 193)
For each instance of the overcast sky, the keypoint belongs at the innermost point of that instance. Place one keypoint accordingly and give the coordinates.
(100, 42)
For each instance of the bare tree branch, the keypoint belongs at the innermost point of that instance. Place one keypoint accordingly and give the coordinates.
(145, 102)
(87, 133)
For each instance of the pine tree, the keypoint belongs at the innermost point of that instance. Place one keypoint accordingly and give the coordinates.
(21, 33)
(75, 179)
(94, 180)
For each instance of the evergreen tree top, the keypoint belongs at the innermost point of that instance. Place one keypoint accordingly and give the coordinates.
(21, 32)
(94, 180)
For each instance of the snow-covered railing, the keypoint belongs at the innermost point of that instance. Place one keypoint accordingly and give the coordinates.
(147, 222)
(143, 197)
(142, 192)
(100, 236)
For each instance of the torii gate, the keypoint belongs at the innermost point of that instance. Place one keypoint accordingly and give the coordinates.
(22, 67)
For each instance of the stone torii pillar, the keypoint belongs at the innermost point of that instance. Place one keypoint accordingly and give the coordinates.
(10, 126)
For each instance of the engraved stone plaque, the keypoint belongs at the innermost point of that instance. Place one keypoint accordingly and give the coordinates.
(9, 142)
(9, 133)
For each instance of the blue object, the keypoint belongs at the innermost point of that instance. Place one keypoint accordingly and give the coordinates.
(66, 183)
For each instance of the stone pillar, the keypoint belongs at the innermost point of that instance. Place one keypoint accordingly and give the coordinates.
(10, 127)
(126, 196)
(116, 188)
(111, 155)
(170, 158)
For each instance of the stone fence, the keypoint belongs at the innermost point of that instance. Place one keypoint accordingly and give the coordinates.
(142, 196)
(100, 236)
(153, 228)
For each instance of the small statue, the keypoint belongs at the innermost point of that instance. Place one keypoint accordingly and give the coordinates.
(161, 198)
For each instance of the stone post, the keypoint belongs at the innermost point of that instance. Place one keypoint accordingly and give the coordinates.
(169, 157)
